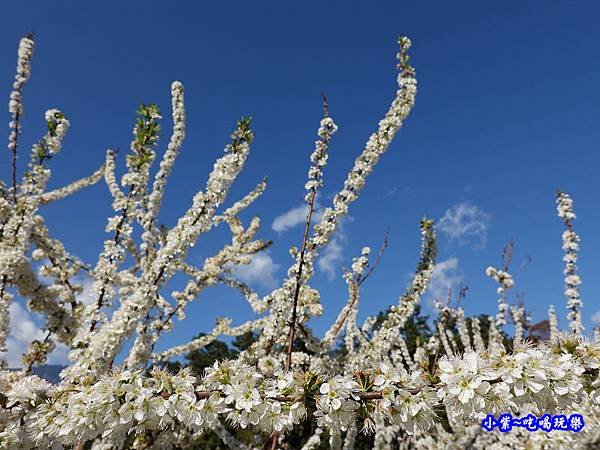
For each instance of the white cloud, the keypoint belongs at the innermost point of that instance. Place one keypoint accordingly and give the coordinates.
(446, 276)
(23, 330)
(332, 256)
(87, 294)
(290, 219)
(295, 217)
(261, 270)
(466, 224)
(596, 318)
(396, 190)
(60, 355)
(333, 253)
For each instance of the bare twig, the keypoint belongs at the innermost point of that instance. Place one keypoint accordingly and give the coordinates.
(360, 281)
(379, 256)
(507, 254)
(325, 105)
(292, 332)
(14, 158)
(116, 239)
(311, 208)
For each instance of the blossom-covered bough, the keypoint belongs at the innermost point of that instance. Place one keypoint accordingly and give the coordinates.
(356, 379)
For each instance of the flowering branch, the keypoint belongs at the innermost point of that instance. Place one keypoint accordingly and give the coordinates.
(15, 105)
(315, 180)
(564, 205)
(421, 393)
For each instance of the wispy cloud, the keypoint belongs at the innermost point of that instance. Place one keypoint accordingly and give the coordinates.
(395, 190)
(23, 330)
(466, 224)
(332, 256)
(87, 295)
(446, 275)
(261, 271)
(295, 217)
(596, 318)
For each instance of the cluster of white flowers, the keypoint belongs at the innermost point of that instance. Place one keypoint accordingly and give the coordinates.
(518, 313)
(564, 206)
(319, 156)
(57, 128)
(347, 315)
(386, 337)
(505, 280)
(469, 386)
(15, 104)
(371, 378)
(150, 237)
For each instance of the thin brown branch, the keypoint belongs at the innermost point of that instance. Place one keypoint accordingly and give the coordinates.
(274, 441)
(354, 298)
(507, 254)
(116, 239)
(462, 294)
(66, 282)
(359, 281)
(292, 332)
(14, 158)
(27, 370)
(325, 105)
(384, 245)
(200, 395)
(311, 207)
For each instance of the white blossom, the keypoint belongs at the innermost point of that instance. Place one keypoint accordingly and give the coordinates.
(407, 393)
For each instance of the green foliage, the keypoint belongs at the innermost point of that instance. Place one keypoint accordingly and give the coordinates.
(484, 325)
(242, 134)
(200, 359)
(41, 149)
(147, 133)
(41, 152)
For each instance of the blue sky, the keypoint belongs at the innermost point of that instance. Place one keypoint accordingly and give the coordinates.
(506, 114)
